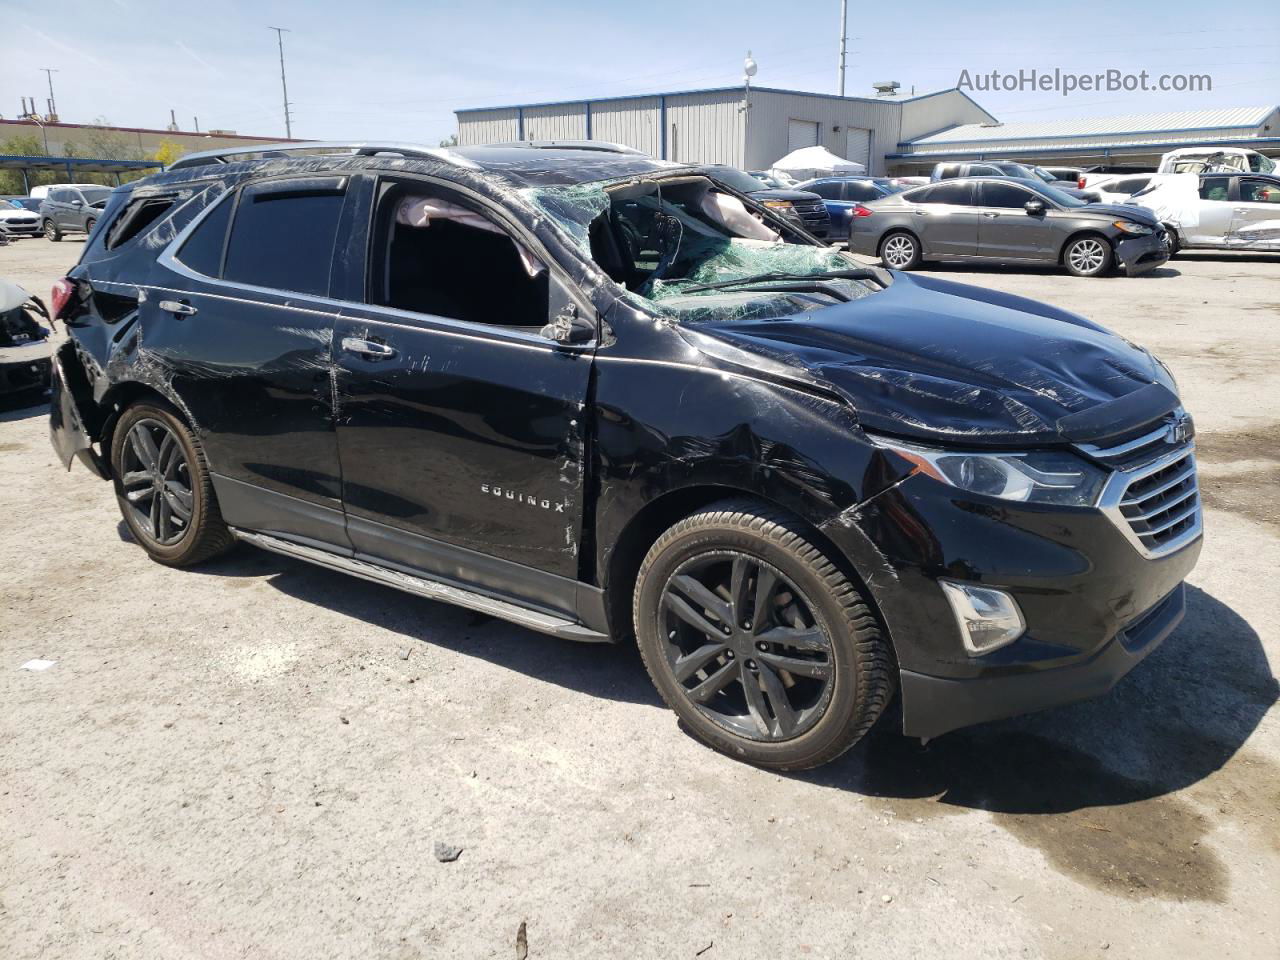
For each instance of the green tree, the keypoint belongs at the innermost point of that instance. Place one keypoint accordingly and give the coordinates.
(23, 145)
(450, 141)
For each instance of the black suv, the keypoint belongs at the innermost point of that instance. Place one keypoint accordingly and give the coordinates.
(603, 396)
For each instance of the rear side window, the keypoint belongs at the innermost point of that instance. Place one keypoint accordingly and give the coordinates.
(136, 217)
(282, 238)
(948, 170)
(956, 192)
(1214, 188)
(203, 250)
(827, 190)
(863, 192)
(1128, 186)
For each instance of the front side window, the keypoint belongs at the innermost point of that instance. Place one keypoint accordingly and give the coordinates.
(1259, 191)
(438, 253)
(826, 189)
(985, 170)
(282, 237)
(1215, 188)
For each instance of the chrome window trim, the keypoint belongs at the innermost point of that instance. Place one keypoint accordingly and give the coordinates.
(446, 326)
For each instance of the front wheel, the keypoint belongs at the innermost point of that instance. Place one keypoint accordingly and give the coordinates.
(51, 231)
(1174, 243)
(89, 225)
(757, 640)
(901, 251)
(164, 488)
(1088, 256)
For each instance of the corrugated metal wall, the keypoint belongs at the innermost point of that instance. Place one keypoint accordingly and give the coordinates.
(999, 147)
(705, 128)
(557, 122)
(770, 112)
(926, 115)
(488, 126)
(635, 123)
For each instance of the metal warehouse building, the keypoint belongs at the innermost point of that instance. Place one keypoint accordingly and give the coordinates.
(1135, 140)
(713, 126)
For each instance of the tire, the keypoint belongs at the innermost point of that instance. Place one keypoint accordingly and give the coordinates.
(51, 231)
(1175, 244)
(89, 225)
(1089, 255)
(815, 689)
(179, 462)
(899, 250)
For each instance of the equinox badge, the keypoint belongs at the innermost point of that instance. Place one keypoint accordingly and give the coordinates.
(509, 494)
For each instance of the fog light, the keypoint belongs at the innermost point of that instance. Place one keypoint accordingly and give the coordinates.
(988, 619)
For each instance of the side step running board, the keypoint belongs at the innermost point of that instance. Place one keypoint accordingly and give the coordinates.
(431, 589)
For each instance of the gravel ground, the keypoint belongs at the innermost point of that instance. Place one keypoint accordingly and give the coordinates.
(257, 758)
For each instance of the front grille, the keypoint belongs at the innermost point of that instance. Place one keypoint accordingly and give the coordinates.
(1154, 495)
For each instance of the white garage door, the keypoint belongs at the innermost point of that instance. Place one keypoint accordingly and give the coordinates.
(858, 148)
(801, 133)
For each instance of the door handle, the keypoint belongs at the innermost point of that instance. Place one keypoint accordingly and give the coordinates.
(179, 307)
(921, 213)
(990, 216)
(367, 348)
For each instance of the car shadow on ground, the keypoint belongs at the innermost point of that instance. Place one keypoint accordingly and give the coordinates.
(1034, 270)
(1179, 717)
(1231, 256)
(23, 406)
(609, 671)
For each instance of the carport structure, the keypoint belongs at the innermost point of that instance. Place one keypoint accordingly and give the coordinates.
(71, 166)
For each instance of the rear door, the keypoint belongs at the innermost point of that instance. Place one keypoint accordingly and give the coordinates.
(461, 426)
(238, 319)
(1006, 231)
(945, 220)
(1255, 221)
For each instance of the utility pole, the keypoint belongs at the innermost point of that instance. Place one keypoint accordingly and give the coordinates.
(53, 104)
(844, 36)
(284, 87)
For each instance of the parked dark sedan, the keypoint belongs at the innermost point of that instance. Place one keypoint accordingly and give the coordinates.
(1016, 171)
(1012, 221)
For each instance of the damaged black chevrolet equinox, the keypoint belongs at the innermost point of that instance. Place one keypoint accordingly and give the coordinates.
(604, 396)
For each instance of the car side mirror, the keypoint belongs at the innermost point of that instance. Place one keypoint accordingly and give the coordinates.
(1034, 207)
(77, 203)
(567, 327)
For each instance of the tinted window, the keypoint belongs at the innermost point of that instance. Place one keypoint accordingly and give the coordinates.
(862, 192)
(136, 217)
(58, 196)
(1128, 186)
(1004, 195)
(203, 250)
(948, 170)
(827, 189)
(283, 240)
(1214, 188)
(984, 170)
(960, 194)
(1259, 191)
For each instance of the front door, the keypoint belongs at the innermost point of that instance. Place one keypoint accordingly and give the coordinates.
(238, 321)
(461, 427)
(1255, 222)
(1214, 213)
(1006, 231)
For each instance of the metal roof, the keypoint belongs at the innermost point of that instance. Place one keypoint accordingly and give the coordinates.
(83, 164)
(1125, 125)
(737, 90)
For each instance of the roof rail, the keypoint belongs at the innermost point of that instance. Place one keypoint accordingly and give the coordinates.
(319, 148)
(600, 146)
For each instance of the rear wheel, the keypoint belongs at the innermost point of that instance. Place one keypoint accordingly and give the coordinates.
(1172, 233)
(757, 641)
(89, 225)
(1088, 256)
(51, 231)
(164, 489)
(900, 251)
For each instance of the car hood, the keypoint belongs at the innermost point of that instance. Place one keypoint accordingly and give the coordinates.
(948, 362)
(1129, 212)
(16, 214)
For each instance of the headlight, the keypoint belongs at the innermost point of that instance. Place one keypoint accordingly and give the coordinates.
(1134, 229)
(1045, 476)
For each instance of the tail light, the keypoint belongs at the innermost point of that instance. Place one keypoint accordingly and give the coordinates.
(60, 296)
(860, 211)
(1080, 182)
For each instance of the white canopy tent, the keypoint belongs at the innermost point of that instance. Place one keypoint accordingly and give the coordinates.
(809, 162)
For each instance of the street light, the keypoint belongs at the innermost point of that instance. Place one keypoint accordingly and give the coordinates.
(749, 68)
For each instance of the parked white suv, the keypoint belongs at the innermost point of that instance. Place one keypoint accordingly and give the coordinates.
(1215, 160)
(1233, 211)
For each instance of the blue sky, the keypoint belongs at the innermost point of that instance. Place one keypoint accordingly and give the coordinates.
(398, 69)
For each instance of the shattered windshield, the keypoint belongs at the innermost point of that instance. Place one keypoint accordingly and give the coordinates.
(667, 241)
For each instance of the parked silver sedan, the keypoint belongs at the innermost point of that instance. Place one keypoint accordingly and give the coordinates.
(1007, 221)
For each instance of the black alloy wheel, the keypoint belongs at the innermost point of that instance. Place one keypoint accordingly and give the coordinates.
(745, 646)
(156, 479)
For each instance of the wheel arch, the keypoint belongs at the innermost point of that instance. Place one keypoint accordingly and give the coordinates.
(1085, 232)
(648, 523)
(892, 230)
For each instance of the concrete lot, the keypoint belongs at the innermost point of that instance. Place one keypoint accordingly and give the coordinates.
(254, 759)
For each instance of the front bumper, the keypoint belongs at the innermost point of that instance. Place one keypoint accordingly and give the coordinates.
(1137, 255)
(936, 705)
(1092, 602)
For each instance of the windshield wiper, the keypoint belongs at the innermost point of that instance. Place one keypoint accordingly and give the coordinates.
(878, 274)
